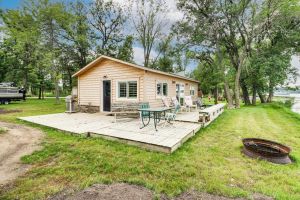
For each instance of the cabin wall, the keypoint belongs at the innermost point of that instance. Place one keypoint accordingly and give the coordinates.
(90, 83)
(90, 87)
(150, 91)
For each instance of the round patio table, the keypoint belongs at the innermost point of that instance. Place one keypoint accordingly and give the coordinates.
(156, 113)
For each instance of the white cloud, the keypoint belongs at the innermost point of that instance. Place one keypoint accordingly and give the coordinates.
(172, 14)
(138, 55)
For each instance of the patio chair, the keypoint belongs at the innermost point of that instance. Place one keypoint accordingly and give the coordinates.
(177, 104)
(166, 102)
(200, 104)
(144, 113)
(189, 103)
(169, 117)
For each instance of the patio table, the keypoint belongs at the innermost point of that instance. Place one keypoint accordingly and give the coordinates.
(156, 113)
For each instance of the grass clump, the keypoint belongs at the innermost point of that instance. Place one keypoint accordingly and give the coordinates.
(3, 130)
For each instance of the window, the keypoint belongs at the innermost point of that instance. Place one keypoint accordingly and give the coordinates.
(181, 90)
(158, 89)
(162, 89)
(122, 89)
(165, 89)
(132, 89)
(127, 89)
(192, 91)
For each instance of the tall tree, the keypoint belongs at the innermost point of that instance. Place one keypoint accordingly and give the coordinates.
(149, 24)
(21, 38)
(52, 16)
(164, 58)
(108, 21)
(126, 51)
(236, 25)
(217, 22)
(77, 41)
(78, 33)
(208, 73)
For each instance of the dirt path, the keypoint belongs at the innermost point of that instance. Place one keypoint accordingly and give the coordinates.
(15, 143)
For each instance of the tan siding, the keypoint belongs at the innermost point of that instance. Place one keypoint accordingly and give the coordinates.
(90, 82)
(150, 87)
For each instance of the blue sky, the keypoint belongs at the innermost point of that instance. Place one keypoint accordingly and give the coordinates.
(9, 4)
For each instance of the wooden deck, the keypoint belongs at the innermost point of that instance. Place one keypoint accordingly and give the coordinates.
(167, 139)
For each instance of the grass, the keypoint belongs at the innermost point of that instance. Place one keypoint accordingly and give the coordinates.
(2, 130)
(210, 162)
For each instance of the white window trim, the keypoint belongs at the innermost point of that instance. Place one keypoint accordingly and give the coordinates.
(161, 82)
(181, 95)
(192, 88)
(182, 85)
(126, 98)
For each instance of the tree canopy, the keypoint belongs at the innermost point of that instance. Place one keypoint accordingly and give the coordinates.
(241, 48)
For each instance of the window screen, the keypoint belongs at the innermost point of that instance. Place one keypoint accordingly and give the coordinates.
(122, 89)
(158, 89)
(132, 88)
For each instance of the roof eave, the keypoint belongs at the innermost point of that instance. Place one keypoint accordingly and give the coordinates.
(87, 67)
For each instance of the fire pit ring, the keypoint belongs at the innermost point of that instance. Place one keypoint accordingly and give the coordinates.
(267, 150)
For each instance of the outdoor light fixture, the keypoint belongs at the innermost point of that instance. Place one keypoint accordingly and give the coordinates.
(105, 76)
(173, 82)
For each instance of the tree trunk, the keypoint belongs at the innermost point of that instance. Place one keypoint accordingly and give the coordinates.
(228, 95)
(216, 94)
(245, 92)
(41, 89)
(70, 81)
(237, 80)
(43, 92)
(237, 87)
(40, 92)
(254, 92)
(56, 92)
(226, 85)
(26, 80)
(29, 91)
(261, 97)
(56, 88)
(271, 94)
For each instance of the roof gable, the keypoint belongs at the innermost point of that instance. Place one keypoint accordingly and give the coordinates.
(93, 64)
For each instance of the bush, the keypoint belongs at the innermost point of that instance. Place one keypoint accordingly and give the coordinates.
(288, 103)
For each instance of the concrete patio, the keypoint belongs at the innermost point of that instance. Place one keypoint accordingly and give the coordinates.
(167, 139)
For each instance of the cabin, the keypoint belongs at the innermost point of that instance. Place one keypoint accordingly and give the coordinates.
(111, 85)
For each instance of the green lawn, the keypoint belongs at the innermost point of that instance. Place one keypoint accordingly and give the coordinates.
(210, 162)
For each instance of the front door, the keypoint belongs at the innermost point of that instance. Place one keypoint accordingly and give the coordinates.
(106, 95)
